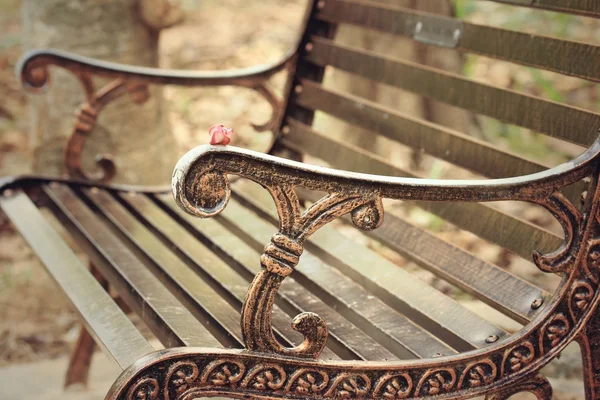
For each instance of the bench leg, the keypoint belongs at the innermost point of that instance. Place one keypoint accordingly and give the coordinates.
(537, 385)
(589, 341)
(81, 358)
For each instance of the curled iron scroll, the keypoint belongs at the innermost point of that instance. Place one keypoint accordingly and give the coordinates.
(34, 74)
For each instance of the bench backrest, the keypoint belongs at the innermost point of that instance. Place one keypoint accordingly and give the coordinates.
(321, 50)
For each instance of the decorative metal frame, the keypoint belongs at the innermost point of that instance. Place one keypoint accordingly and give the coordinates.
(267, 369)
(34, 73)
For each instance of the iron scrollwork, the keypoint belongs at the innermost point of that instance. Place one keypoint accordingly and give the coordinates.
(267, 369)
(34, 74)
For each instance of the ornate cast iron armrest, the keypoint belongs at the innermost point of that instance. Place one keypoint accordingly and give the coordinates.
(267, 369)
(201, 187)
(33, 70)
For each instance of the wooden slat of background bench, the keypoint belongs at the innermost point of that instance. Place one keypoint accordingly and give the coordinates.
(218, 316)
(487, 282)
(420, 302)
(396, 333)
(554, 119)
(204, 262)
(444, 143)
(584, 7)
(491, 224)
(346, 340)
(558, 55)
(104, 320)
(168, 319)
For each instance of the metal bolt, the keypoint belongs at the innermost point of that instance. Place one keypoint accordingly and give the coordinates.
(285, 130)
(54, 185)
(298, 89)
(438, 355)
(537, 303)
(457, 34)
(321, 5)
(131, 193)
(418, 27)
(94, 190)
(309, 46)
(492, 339)
(8, 193)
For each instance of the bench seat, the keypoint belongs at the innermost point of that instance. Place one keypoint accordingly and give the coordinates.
(187, 278)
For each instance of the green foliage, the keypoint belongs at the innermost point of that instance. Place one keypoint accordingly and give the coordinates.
(464, 8)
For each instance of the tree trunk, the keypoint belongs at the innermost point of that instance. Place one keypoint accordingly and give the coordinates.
(137, 136)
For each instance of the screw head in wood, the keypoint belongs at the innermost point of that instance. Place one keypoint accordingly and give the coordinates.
(537, 303)
(492, 339)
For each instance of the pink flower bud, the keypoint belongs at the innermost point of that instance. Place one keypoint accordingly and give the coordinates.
(220, 135)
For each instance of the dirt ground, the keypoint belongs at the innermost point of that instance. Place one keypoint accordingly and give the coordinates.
(35, 321)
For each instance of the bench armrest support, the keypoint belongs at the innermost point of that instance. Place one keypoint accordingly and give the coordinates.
(267, 369)
(34, 72)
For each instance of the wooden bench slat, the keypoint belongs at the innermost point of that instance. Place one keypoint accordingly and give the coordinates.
(142, 291)
(439, 141)
(417, 300)
(104, 320)
(363, 308)
(555, 119)
(210, 264)
(220, 318)
(491, 224)
(589, 8)
(558, 55)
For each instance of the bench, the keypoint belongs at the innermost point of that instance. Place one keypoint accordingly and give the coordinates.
(363, 327)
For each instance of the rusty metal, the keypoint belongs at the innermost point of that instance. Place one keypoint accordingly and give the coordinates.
(34, 74)
(538, 386)
(80, 359)
(201, 187)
